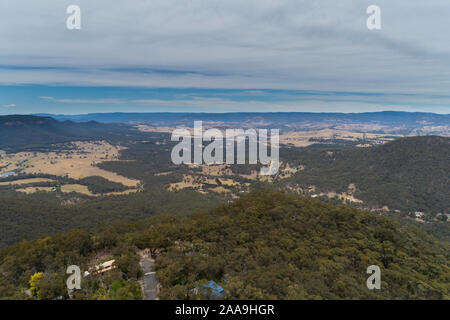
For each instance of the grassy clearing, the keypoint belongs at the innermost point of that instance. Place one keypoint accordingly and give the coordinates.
(303, 138)
(77, 188)
(25, 181)
(77, 163)
(30, 190)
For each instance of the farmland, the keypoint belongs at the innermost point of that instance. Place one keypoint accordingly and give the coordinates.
(75, 160)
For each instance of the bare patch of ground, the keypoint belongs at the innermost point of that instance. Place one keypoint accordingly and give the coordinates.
(344, 196)
(30, 190)
(163, 173)
(286, 171)
(203, 184)
(216, 170)
(25, 181)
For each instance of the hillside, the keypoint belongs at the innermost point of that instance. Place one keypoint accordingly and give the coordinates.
(26, 217)
(409, 174)
(268, 245)
(20, 132)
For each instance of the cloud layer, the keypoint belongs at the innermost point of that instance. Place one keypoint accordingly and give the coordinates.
(234, 44)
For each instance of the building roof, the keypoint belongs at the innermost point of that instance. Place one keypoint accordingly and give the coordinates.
(217, 291)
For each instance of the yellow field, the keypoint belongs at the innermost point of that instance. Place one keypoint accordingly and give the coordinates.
(341, 196)
(77, 163)
(30, 190)
(252, 176)
(220, 190)
(301, 138)
(78, 188)
(69, 188)
(25, 181)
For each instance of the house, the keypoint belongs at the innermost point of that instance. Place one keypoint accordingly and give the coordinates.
(105, 266)
(216, 291)
(418, 214)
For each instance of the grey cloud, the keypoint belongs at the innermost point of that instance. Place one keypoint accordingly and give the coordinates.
(83, 101)
(246, 44)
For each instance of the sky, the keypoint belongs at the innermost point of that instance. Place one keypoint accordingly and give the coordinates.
(224, 56)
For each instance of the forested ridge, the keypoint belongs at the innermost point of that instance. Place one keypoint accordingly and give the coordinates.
(267, 245)
(28, 216)
(409, 174)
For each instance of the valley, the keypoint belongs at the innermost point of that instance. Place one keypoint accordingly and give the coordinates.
(96, 185)
(258, 153)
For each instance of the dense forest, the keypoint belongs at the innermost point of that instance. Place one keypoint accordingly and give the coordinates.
(408, 174)
(27, 216)
(267, 245)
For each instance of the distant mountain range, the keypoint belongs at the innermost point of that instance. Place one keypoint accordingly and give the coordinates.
(33, 131)
(405, 123)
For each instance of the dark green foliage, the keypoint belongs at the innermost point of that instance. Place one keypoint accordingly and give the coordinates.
(268, 245)
(25, 217)
(272, 245)
(31, 133)
(52, 255)
(101, 185)
(410, 174)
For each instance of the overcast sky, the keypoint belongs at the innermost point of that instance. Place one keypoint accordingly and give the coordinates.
(224, 55)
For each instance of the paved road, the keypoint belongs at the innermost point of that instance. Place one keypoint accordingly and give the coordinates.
(149, 281)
